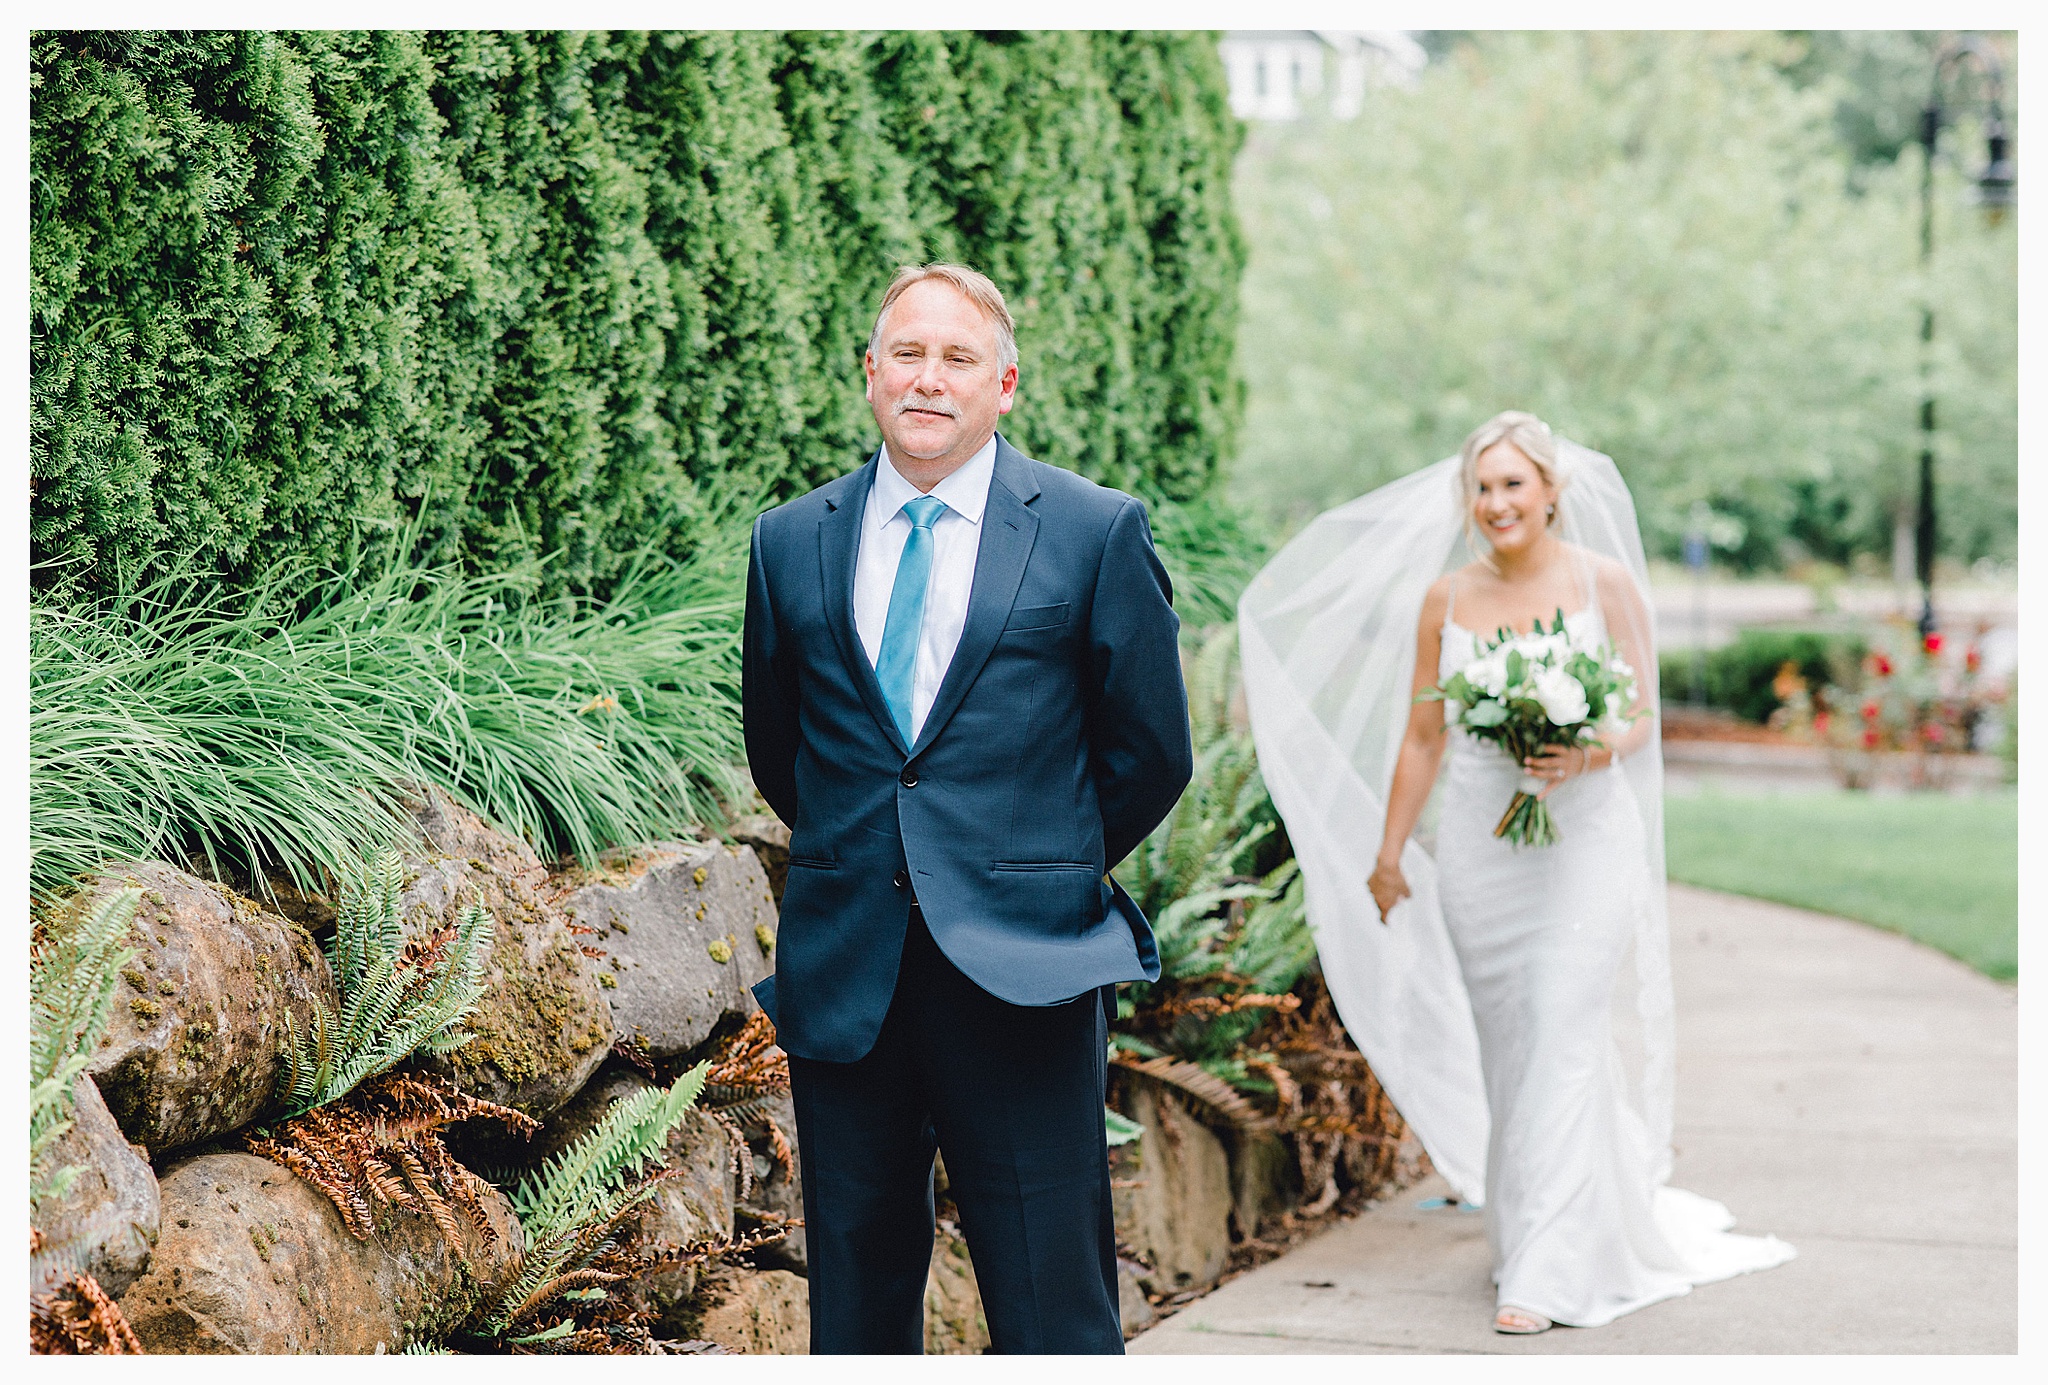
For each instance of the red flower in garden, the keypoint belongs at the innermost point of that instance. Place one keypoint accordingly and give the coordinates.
(1881, 665)
(1870, 738)
(1973, 658)
(1820, 724)
(1870, 710)
(1933, 641)
(1933, 733)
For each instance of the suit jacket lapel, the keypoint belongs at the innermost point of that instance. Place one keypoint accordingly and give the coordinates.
(1008, 529)
(838, 549)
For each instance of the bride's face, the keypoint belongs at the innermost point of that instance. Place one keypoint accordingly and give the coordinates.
(1513, 505)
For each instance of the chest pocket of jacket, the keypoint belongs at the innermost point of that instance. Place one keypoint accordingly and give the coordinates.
(1036, 617)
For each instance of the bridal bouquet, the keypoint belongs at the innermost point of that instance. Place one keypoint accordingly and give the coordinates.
(1524, 692)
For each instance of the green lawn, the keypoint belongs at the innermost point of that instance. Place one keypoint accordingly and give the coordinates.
(1942, 870)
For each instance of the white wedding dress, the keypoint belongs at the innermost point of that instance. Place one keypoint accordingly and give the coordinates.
(1517, 1006)
(1581, 1231)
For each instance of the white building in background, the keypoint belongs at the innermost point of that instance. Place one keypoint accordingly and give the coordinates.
(1272, 71)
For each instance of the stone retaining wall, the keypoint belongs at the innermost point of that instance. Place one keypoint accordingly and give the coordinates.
(215, 1251)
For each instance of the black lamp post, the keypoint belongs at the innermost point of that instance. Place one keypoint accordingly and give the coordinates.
(1995, 195)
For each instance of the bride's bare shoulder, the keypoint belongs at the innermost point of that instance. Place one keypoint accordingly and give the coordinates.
(1614, 578)
(1436, 601)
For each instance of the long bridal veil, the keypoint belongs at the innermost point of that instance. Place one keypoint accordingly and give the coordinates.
(1327, 637)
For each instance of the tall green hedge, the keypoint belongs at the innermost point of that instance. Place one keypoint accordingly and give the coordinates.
(569, 292)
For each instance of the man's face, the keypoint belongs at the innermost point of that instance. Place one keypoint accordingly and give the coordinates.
(933, 380)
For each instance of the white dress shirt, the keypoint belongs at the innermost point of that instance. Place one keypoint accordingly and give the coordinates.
(956, 542)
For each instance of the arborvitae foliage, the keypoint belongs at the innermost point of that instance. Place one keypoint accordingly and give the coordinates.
(397, 997)
(580, 293)
(73, 972)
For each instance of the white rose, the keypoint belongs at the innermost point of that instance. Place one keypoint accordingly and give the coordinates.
(1490, 674)
(1562, 696)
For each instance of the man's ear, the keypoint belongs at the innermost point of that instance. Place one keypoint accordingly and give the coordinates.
(1008, 399)
(867, 364)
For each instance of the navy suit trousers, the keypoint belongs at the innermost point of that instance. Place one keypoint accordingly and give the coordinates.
(1012, 1094)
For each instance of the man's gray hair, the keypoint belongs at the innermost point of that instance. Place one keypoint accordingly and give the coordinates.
(977, 288)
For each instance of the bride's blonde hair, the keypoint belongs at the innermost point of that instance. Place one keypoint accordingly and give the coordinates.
(1530, 436)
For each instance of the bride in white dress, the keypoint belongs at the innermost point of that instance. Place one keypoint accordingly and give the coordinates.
(1487, 1004)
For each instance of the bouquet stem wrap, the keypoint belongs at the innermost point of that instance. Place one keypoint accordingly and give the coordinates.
(1527, 822)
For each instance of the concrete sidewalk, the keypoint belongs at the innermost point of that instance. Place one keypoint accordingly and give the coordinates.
(1850, 1090)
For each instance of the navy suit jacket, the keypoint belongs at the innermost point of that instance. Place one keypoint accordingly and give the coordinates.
(1058, 740)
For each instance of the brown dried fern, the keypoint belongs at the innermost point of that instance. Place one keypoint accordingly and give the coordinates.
(382, 1144)
(78, 1319)
(749, 1062)
(1201, 1084)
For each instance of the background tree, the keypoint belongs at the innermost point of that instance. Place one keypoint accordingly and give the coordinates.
(1653, 241)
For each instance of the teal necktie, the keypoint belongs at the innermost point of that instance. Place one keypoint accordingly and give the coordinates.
(896, 669)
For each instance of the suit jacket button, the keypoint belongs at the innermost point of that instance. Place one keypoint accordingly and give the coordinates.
(908, 778)
(902, 879)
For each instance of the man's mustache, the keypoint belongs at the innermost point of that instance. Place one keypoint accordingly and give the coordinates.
(918, 401)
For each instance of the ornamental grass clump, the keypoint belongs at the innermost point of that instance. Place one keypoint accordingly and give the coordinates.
(284, 726)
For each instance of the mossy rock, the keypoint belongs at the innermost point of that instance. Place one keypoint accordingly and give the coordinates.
(255, 1260)
(543, 1026)
(197, 1035)
(687, 928)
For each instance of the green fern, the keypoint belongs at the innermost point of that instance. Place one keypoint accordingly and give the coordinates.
(392, 1005)
(1192, 865)
(570, 1206)
(1275, 945)
(1222, 931)
(71, 982)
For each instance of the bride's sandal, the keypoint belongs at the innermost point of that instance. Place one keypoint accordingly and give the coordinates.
(1520, 1322)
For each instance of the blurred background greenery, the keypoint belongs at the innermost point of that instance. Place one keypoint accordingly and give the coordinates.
(1699, 253)
(1695, 252)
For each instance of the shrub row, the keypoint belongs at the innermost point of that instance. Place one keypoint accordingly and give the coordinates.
(524, 293)
(1739, 674)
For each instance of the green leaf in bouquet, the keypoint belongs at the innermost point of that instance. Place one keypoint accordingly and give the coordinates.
(1486, 713)
(1518, 667)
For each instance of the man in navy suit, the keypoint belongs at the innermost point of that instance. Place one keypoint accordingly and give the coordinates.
(963, 694)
